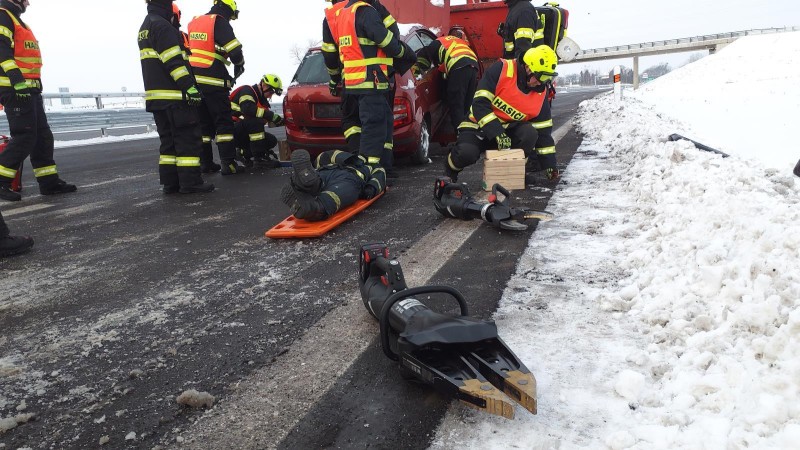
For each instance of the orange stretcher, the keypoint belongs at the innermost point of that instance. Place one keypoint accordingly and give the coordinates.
(292, 227)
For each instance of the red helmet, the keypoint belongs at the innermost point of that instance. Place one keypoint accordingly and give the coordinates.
(176, 11)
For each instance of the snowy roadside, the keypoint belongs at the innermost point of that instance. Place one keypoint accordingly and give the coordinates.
(659, 309)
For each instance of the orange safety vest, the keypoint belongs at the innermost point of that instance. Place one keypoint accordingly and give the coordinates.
(202, 43)
(27, 55)
(331, 14)
(512, 105)
(352, 55)
(452, 50)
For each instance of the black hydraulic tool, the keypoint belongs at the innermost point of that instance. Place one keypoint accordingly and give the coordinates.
(459, 356)
(454, 200)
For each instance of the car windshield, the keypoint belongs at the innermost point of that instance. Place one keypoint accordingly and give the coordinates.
(312, 69)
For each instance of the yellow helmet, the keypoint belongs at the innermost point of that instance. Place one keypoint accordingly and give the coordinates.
(274, 82)
(542, 62)
(230, 4)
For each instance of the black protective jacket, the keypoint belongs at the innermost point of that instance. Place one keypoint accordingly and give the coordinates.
(225, 38)
(371, 25)
(248, 103)
(522, 29)
(433, 54)
(165, 65)
(7, 46)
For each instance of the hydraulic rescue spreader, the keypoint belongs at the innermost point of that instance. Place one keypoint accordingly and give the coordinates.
(454, 200)
(459, 356)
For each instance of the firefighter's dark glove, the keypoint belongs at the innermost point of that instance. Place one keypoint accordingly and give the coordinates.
(552, 173)
(23, 92)
(193, 96)
(238, 70)
(277, 120)
(503, 142)
(333, 87)
(501, 29)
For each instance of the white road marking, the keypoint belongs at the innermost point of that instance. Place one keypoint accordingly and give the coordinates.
(26, 209)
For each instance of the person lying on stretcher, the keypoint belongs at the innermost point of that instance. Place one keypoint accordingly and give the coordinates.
(335, 181)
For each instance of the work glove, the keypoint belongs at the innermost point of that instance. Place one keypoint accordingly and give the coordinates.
(501, 29)
(23, 92)
(277, 120)
(193, 96)
(238, 70)
(552, 173)
(416, 71)
(503, 142)
(333, 87)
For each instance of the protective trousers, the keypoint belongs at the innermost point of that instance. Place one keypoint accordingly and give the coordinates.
(351, 123)
(472, 142)
(181, 143)
(545, 144)
(461, 85)
(30, 135)
(217, 121)
(377, 124)
(340, 188)
(251, 138)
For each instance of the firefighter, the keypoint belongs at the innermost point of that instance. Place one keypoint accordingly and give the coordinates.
(459, 64)
(522, 30)
(510, 95)
(317, 191)
(251, 111)
(176, 21)
(12, 245)
(21, 96)
(365, 47)
(351, 123)
(173, 98)
(214, 46)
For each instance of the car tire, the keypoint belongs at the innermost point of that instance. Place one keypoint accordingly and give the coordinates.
(420, 155)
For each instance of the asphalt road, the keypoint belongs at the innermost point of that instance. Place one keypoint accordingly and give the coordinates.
(131, 297)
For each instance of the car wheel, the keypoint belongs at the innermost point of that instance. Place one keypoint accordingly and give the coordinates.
(420, 156)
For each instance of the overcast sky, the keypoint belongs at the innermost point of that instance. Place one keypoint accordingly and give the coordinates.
(91, 45)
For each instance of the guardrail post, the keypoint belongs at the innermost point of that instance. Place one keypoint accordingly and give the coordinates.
(103, 132)
(99, 102)
(635, 73)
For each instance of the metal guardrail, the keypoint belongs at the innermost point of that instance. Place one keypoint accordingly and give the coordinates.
(97, 96)
(706, 42)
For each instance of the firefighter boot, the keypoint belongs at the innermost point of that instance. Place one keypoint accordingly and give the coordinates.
(7, 194)
(14, 245)
(304, 177)
(302, 204)
(59, 187)
(270, 161)
(197, 189)
(233, 168)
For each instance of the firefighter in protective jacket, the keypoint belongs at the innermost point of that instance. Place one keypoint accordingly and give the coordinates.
(336, 181)
(523, 29)
(459, 64)
(21, 96)
(366, 49)
(173, 98)
(251, 112)
(214, 46)
(510, 95)
(351, 123)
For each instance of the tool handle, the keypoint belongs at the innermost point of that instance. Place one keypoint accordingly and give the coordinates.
(405, 293)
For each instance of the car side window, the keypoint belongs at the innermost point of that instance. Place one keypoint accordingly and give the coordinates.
(425, 38)
(414, 42)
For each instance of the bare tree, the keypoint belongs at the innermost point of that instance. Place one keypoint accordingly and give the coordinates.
(298, 51)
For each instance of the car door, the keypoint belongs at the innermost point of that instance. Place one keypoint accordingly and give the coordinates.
(430, 86)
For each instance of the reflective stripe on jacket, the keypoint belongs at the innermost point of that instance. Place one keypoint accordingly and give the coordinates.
(209, 58)
(509, 103)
